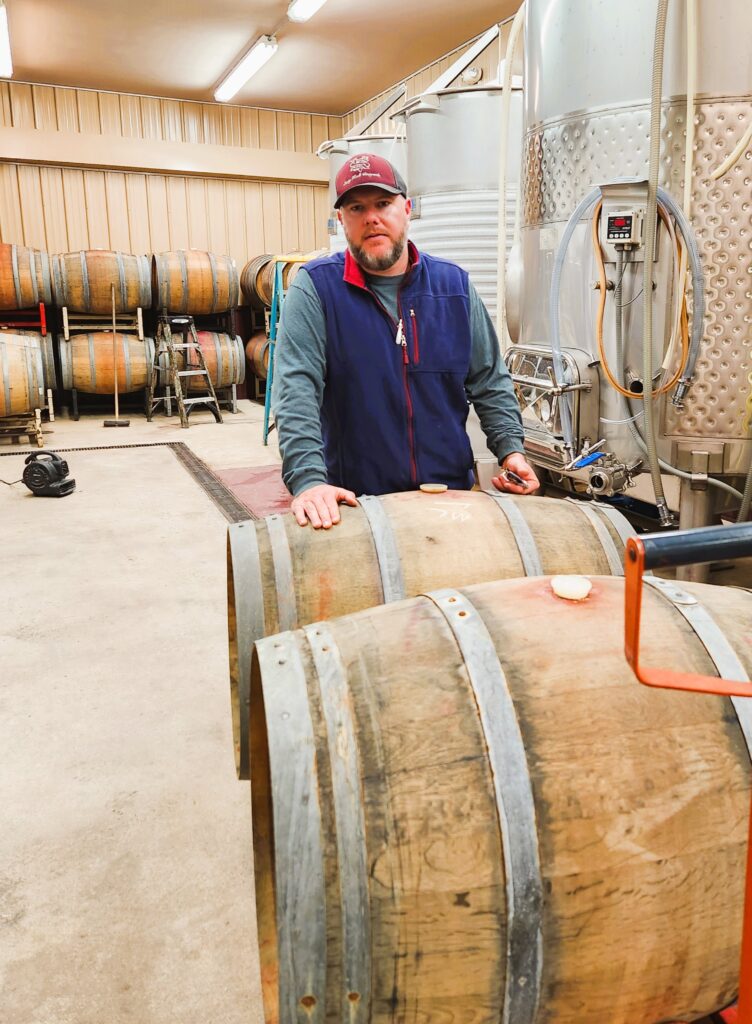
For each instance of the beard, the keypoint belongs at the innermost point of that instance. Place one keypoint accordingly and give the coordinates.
(368, 262)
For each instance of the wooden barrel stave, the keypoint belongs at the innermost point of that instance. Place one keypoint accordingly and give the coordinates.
(86, 363)
(257, 276)
(320, 563)
(22, 382)
(195, 282)
(25, 278)
(252, 284)
(46, 346)
(640, 801)
(224, 358)
(257, 354)
(83, 281)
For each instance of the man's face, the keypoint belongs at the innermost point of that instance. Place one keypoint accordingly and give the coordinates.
(375, 224)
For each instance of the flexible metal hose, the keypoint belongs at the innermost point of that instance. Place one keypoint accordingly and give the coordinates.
(647, 281)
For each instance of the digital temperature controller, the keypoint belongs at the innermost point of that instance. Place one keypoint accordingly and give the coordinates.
(624, 227)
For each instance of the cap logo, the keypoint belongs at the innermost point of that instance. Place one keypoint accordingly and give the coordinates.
(358, 164)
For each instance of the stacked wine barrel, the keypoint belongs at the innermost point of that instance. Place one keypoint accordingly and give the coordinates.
(465, 807)
(83, 281)
(25, 277)
(257, 285)
(22, 375)
(194, 282)
(27, 366)
(93, 362)
(224, 358)
(202, 284)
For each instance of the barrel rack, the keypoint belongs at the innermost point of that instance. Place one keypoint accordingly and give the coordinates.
(28, 424)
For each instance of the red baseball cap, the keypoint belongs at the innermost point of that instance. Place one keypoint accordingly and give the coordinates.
(368, 169)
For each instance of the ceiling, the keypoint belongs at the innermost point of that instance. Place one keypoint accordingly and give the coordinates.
(349, 51)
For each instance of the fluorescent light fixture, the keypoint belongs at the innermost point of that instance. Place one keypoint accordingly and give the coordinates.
(302, 10)
(261, 51)
(6, 64)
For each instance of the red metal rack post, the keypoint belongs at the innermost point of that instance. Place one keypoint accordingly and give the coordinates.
(686, 547)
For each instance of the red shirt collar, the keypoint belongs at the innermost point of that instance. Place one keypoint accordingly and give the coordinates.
(354, 273)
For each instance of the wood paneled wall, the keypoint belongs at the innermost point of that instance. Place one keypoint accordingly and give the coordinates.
(488, 61)
(51, 108)
(61, 209)
(66, 208)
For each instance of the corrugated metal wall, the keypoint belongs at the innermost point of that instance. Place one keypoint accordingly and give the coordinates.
(61, 208)
(488, 61)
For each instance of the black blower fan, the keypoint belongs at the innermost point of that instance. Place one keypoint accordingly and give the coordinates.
(46, 474)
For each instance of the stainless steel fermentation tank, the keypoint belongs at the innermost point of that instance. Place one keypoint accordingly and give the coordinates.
(588, 70)
(339, 151)
(453, 146)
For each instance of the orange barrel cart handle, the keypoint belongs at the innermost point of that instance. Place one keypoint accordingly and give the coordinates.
(687, 547)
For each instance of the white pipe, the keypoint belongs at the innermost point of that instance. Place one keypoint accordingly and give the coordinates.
(729, 162)
(506, 106)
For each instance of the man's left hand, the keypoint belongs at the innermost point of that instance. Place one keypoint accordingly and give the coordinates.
(516, 463)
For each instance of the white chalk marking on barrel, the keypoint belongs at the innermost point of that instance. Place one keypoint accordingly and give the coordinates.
(523, 536)
(298, 840)
(350, 821)
(715, 642)
(390, 567)
(514, 803)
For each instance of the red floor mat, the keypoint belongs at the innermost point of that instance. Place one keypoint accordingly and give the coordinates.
(259, 488)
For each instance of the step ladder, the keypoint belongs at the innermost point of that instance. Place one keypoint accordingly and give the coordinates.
(193, 365)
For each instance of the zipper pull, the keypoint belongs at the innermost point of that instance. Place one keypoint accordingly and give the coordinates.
(400, 339)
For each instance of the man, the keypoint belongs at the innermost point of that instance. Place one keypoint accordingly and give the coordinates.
(379, 351)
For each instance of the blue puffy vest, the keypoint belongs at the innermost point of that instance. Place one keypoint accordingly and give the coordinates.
(394, 409)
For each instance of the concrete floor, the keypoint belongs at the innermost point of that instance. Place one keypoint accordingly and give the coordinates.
(126, 889)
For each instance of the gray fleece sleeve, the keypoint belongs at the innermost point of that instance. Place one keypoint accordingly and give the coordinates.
(298, 388)
(489, 386)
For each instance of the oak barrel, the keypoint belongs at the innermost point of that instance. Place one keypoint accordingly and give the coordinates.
(256, 280)
(257, 353)
(86, 363)
(83, 281)
(25, 277)
(466, 808)
(195, 282)
(281, 576)
(22, 385)
(257, 276)
(295, 267)
(46, 346)
(224, 358)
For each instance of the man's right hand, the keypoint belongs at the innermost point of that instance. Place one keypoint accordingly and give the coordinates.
(319, 505)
